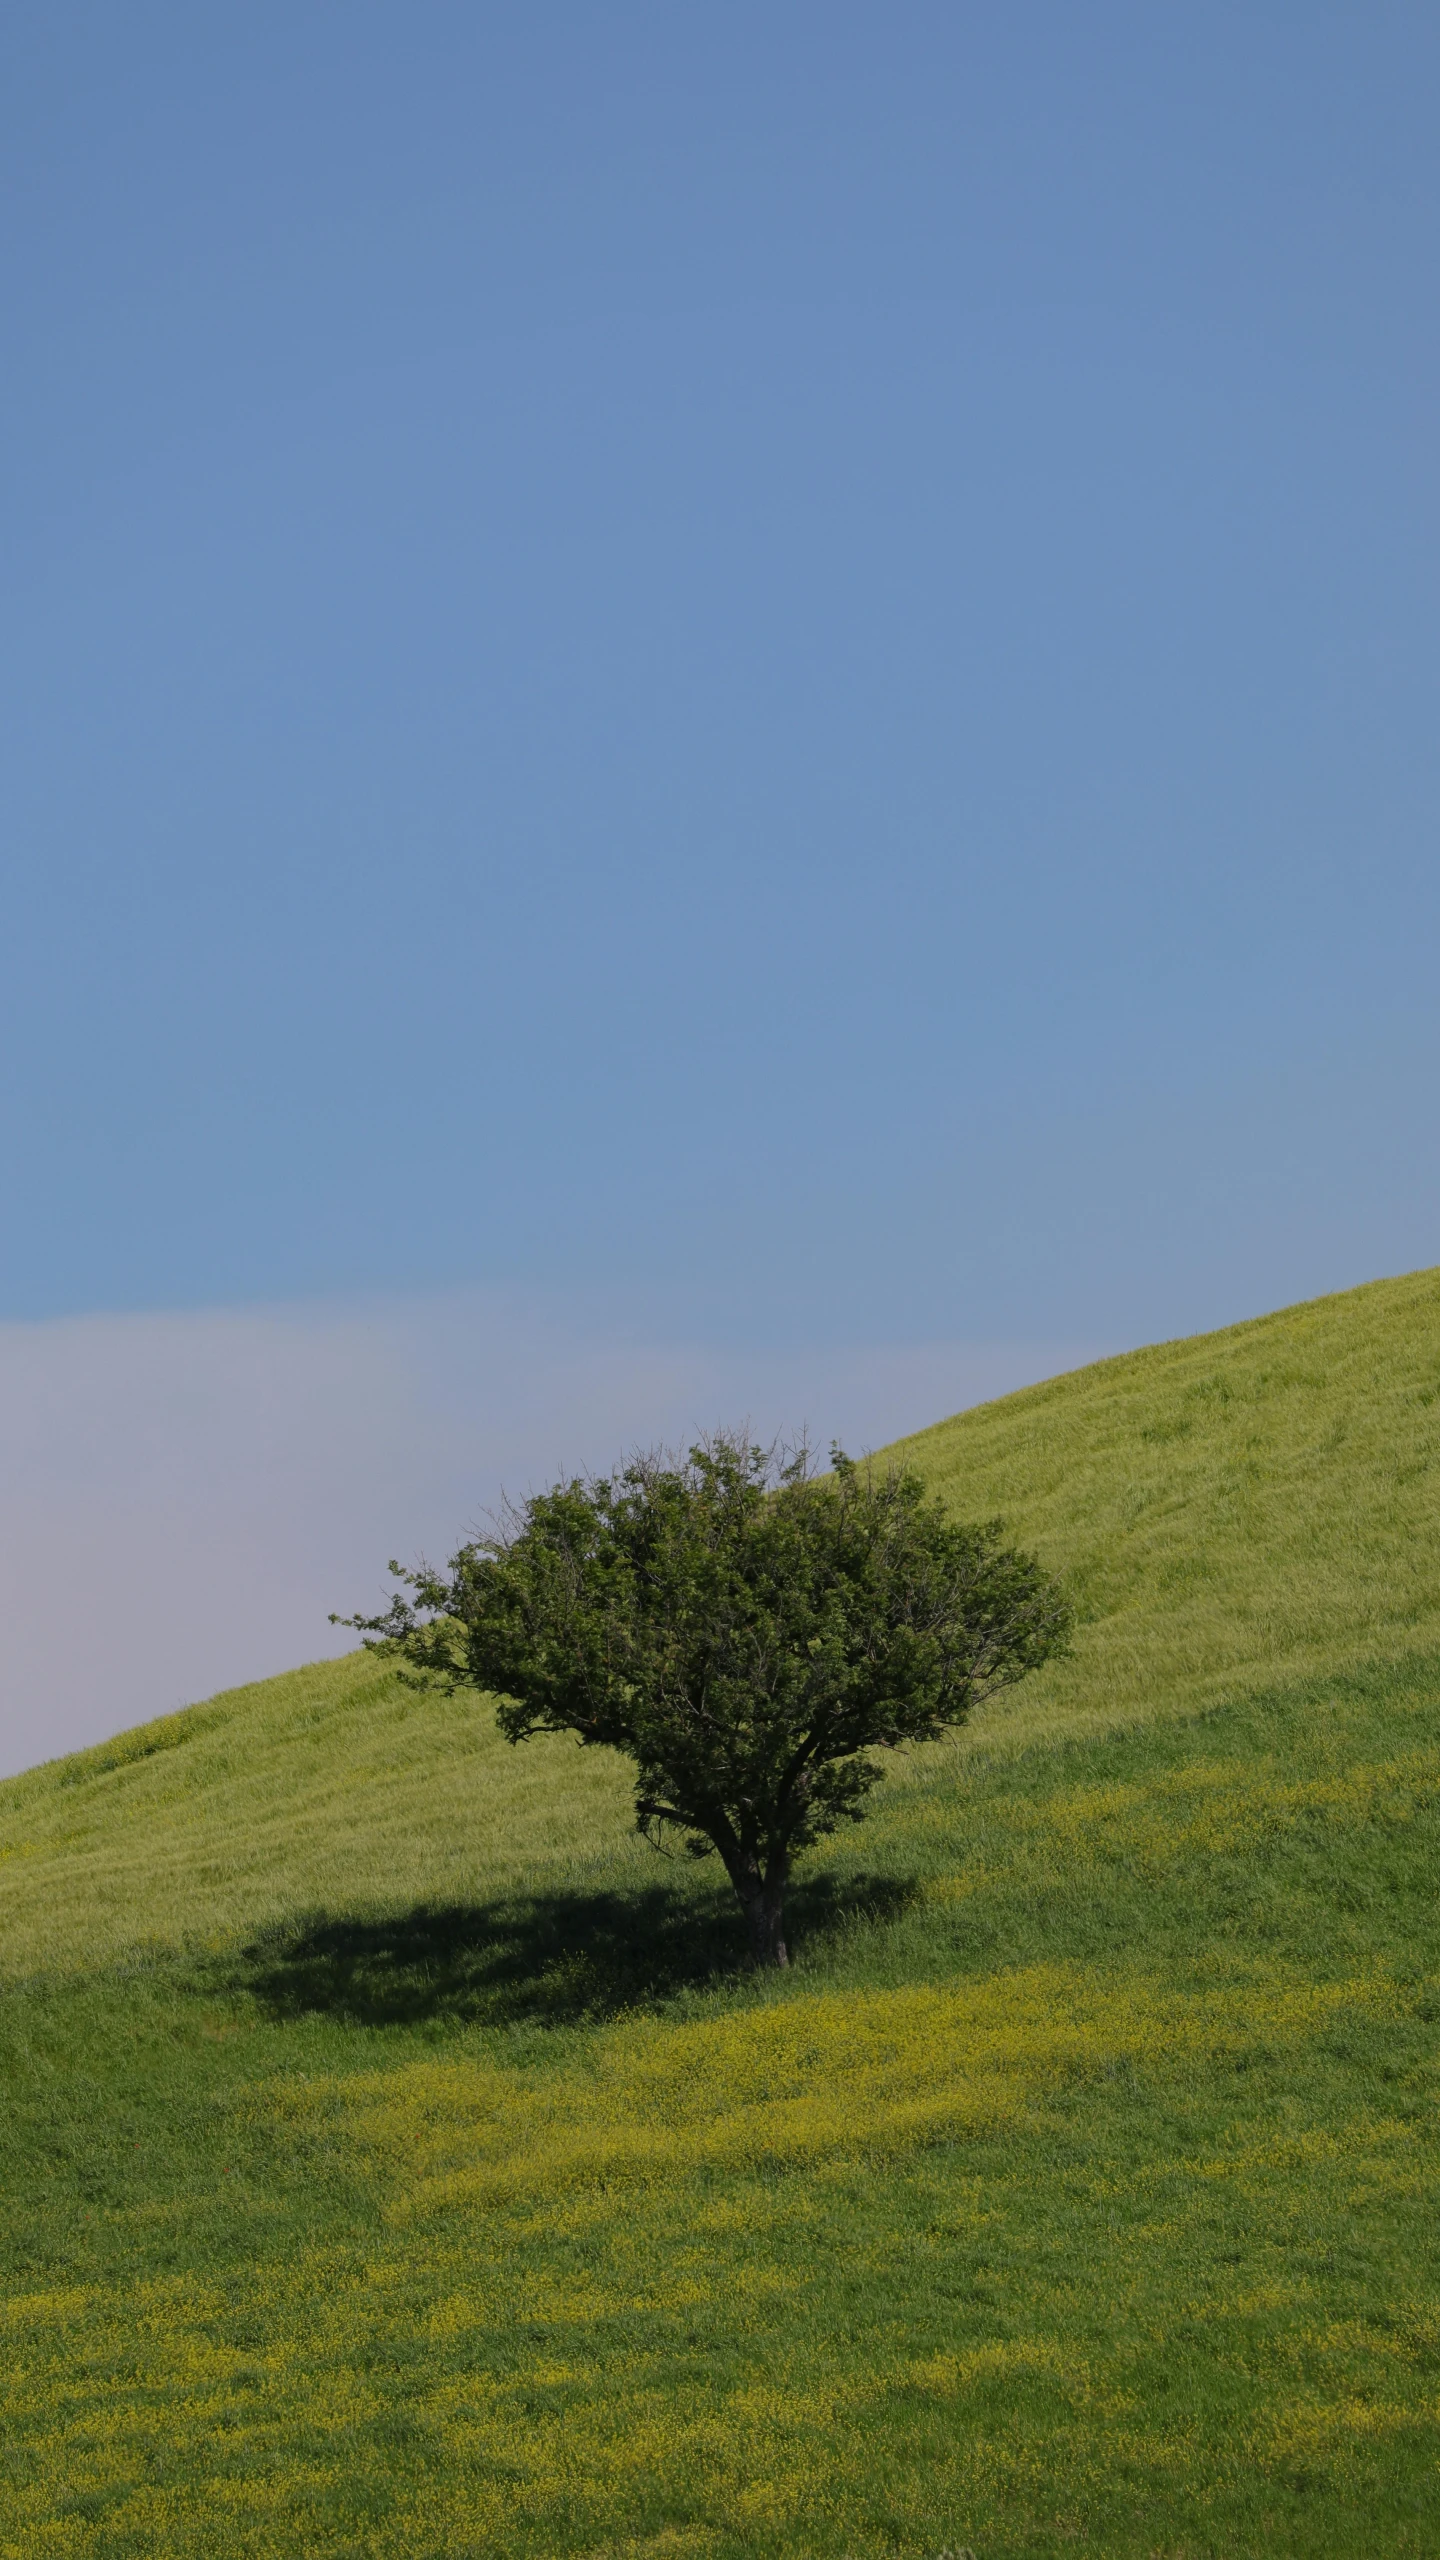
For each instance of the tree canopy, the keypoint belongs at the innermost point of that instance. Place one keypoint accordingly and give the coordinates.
(751, 1632)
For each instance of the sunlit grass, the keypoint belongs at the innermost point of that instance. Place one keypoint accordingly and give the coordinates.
(1240, 1508)
(333, 1783)
(858, 2075)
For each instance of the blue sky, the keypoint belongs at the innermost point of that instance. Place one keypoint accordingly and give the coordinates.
(775, 666)
(761, 679)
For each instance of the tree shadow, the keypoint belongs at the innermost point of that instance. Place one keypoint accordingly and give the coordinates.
(550, 1958)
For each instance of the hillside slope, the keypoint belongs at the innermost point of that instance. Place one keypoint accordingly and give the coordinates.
(1246, 1507)
(1240, 1508)
(395, 2163)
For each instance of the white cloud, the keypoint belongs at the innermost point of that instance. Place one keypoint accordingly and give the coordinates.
(184, 1497)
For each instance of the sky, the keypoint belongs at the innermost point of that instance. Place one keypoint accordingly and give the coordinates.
(735, 708)
(185, 1497)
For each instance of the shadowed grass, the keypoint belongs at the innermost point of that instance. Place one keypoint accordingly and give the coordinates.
(563, 1956)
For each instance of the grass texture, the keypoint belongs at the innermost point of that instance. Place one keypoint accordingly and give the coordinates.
(396, 2162)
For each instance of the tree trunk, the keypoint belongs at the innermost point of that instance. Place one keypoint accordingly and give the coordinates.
(759, 1890)
(765, 1920)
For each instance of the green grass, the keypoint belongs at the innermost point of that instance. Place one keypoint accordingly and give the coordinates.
(395, 2161)
(1248, 1506)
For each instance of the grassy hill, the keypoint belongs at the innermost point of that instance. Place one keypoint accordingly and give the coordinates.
(396, 2163)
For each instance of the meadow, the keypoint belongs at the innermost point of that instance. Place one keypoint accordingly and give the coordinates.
(398, 2161)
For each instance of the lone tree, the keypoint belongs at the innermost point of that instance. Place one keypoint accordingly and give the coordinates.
(749, 1631)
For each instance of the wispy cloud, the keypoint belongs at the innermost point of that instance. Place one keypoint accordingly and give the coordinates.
(183, 1498)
